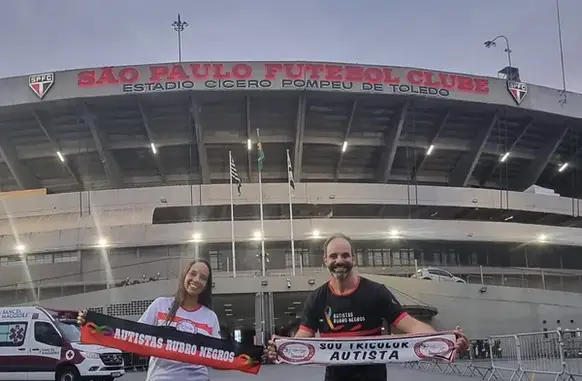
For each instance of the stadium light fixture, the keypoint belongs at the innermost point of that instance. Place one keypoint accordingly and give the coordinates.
(563, 167)
(257, 235)
(60, 156)
(20, 248)
(315, 234)
(542, 238)
(491, 43)
(102, 242)
(249, 144)
(179, 26)
(429, 149)
(394, 233)
(154, 149)
(345, 146)
(196, 237)
(504, 157)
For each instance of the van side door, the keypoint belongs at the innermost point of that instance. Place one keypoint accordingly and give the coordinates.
(45, 351)
(13, 350)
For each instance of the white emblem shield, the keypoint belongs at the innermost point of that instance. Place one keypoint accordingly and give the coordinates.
(40, 84)
(518, 90)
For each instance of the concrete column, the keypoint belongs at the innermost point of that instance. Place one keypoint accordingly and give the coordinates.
(264, 317)
(259, 319)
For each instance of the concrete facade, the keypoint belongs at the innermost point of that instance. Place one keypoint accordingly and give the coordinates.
(282, 76)
(481, 312)
(69, 226)
(61, 233)
(136, 206)
(67, 223)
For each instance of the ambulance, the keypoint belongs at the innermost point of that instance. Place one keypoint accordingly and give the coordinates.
(41, 344)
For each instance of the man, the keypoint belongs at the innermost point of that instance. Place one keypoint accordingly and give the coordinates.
(350, 305)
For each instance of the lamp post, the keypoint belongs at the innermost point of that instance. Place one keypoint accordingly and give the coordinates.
(564, 99)
(491, 43)
(179, 26)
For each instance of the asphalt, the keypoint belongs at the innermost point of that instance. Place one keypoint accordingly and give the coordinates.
(311, 373)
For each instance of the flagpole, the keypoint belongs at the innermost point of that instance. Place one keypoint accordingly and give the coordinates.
(263, 269)
(291, 215)
(564, 93)
(232, 217)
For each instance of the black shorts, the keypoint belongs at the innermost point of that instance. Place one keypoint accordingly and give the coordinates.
(356, 373)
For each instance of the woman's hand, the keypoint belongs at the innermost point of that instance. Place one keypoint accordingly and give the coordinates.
(270, 353)
(81, 318)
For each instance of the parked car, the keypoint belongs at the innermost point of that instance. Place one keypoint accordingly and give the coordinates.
(431, 273)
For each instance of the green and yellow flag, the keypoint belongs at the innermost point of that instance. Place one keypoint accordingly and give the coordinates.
(260, 156)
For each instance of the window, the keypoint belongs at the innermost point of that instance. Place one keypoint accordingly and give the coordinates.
(12, 334)
(136, 307)
(214, 260)
(474, 260)
(407, 257)
(305, 257)
(299, 253)
(359, 259)
(47, 334)
(436, 258)
(440, 272)
(452, 260)
(10, 260)
(70, 331)
(38, 259)
(379, 257)
(72, 256)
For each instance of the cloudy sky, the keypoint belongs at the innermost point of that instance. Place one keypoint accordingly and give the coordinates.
(45, 35)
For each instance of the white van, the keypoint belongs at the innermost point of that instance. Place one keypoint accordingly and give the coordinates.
(41, 344)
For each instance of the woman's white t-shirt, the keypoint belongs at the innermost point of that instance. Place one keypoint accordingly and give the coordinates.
(202, 320)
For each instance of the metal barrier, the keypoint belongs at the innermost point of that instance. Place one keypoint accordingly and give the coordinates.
(539, 356)
(135, 362)
(534, 356)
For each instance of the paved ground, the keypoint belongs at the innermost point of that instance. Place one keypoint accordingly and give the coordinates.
(289, 372)
(312, 373)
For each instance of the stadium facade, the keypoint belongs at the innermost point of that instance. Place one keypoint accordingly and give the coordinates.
(113, 178)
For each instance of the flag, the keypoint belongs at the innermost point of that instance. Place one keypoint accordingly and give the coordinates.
(260, 156)
(290, 172)
(234, 175)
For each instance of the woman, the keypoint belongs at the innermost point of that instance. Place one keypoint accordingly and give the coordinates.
(189, 310)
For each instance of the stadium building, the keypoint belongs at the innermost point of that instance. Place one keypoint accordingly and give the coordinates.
(114, 178)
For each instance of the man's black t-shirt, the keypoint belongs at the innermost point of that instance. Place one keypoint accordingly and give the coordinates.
(357, 313)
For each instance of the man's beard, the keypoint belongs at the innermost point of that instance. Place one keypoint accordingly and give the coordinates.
(340, 272)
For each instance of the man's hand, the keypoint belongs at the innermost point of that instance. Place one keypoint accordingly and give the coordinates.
(462, 340)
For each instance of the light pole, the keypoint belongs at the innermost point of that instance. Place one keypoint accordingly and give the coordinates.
(491, 43)
(564, 99)
(179, 26)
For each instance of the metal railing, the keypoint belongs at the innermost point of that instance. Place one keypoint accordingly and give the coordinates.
(548, 355)
(95, 279)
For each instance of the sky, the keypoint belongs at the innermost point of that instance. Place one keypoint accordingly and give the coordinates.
(49, 35)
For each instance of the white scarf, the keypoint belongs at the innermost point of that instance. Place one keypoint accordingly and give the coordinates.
(366, 350)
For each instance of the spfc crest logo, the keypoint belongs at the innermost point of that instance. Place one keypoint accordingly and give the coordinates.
(41, 83)
(518, 90)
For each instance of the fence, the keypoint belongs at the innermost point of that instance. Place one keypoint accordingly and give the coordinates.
(548, 355)
(535, 356)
